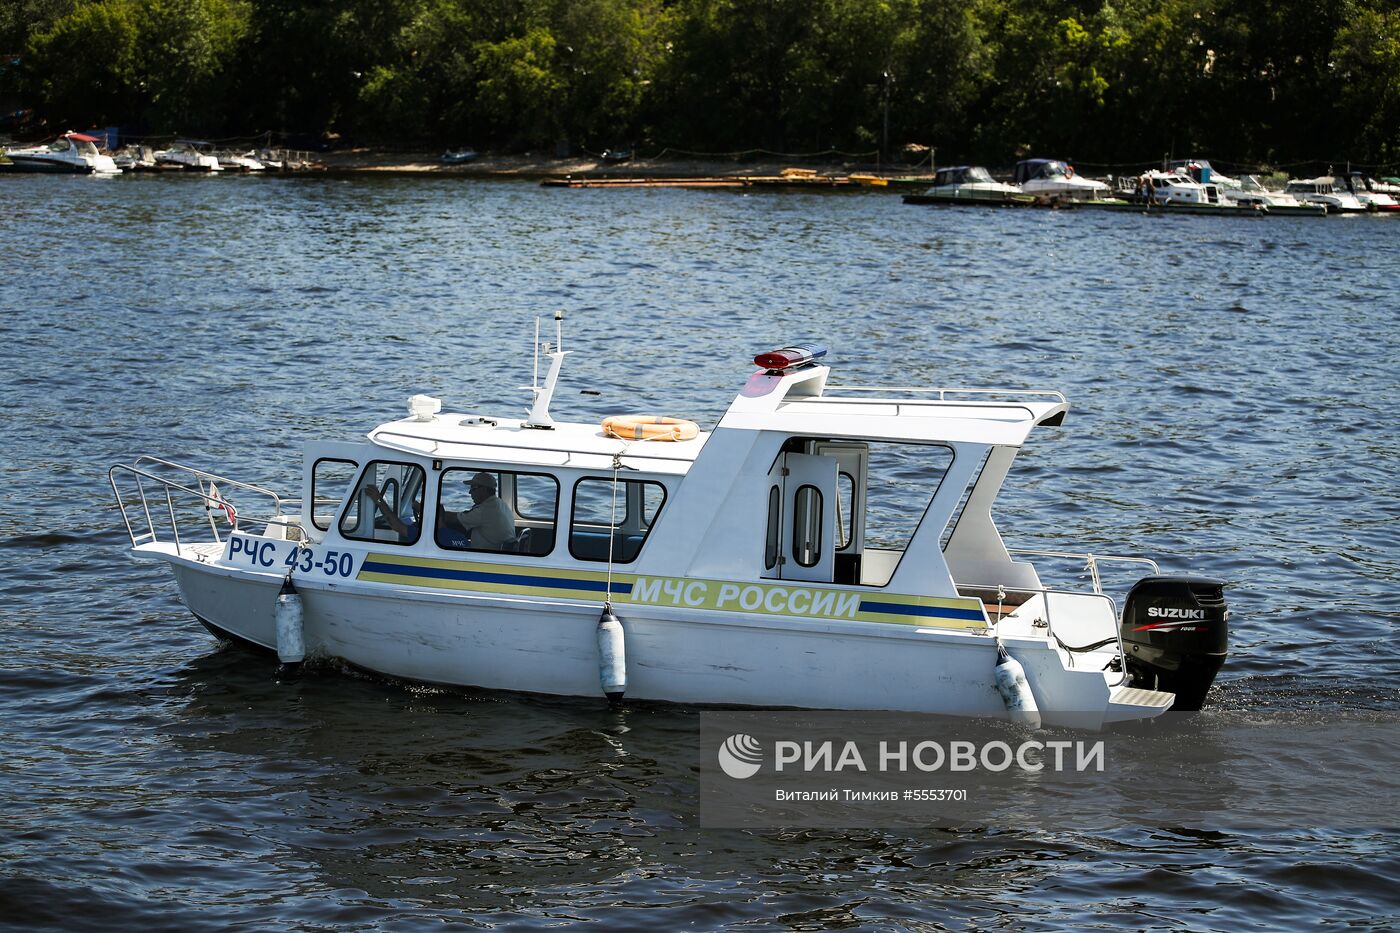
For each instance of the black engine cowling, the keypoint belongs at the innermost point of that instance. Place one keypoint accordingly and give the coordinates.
(1176, 634)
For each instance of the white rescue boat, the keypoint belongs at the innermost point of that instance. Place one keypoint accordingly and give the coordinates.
(774, 561)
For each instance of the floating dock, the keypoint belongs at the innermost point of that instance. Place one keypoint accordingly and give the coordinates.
(1217, 210)
(794, 180)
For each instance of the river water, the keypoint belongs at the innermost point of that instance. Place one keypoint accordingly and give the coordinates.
(1234, 387)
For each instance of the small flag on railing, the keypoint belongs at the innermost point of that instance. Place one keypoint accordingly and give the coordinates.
(217, 501)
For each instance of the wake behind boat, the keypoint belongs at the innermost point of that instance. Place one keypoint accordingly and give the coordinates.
(820, 548)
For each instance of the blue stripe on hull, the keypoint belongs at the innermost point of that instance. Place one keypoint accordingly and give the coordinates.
(507, 579)
(932, 612)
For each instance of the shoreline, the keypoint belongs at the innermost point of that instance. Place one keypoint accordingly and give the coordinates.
(529, 165)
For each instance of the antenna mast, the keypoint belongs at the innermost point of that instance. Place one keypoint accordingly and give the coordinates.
(539, 413)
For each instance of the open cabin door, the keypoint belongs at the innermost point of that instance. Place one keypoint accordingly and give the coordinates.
(801, 518)
(330, 470)
(852, 469)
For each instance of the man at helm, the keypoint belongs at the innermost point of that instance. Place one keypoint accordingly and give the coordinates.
(489, 522)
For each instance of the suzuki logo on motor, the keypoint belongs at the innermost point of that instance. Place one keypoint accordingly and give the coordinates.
(1161, 612)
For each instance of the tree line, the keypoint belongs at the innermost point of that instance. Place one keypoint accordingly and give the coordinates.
(1116, 81)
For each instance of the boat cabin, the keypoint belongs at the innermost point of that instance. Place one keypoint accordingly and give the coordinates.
(962, 175)
(1028, 169)
(853, 487)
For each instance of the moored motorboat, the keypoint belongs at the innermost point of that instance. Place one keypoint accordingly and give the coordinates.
(459, 156)
(134, 158)
(231, 161)
(968, 184)
(1366, 190)
(782, 559)
(1323, 190)
(190, 155)
(1052, 178)
(1173, 187)
(1249, 191)
(1200, 170)
(70, 154)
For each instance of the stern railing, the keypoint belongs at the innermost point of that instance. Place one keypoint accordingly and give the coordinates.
(1091, 562)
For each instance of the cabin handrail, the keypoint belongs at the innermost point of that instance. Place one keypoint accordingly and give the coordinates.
(1046, 593)
(1091, 561)
(169, 487)
(942, 391)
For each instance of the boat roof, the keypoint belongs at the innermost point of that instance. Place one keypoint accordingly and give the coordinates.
(82, 137)
(800, 403)
(458, 436)
(794, 402)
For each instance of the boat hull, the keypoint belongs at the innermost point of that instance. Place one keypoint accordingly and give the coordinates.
(37, 166)
(672, 654)
(979, 200)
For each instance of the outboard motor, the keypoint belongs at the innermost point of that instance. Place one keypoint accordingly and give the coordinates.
(1176, 635)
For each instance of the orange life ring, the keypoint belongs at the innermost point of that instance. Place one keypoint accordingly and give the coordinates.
(649, 428)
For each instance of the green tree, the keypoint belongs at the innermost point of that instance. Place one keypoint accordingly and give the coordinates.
(518, 86)
(187, 47)
(84, 67)
(608, 53)
(1366, 57)
(20, 19)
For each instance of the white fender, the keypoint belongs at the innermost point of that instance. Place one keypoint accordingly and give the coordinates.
(291, 645)
(612, 655)
(1015, 691)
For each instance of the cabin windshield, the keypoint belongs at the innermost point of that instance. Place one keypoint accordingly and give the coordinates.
(387, 504)
(978, 173)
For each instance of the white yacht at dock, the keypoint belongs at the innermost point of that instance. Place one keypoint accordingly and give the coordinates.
(769, 562)
(1323, 191)
(70, 154)
(192, 155)
(1054, 179)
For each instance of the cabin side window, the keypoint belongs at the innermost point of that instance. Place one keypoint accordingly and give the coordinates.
(387, 504)
(330, 477)
(775, 518)
(845, 509)
(807, 526)
(620, 512)
(500, 511)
